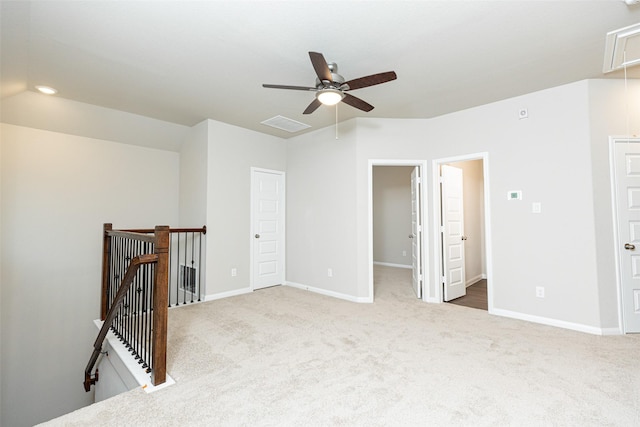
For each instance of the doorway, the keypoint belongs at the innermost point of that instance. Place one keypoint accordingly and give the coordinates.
(267, 228)
(461, 216)
(625, 162)
(397, 197)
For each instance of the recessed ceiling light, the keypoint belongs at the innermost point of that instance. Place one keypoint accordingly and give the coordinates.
(47, 90)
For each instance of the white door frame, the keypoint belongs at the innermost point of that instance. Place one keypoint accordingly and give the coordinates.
(253, 232)
(422, 164)
(613, 140)
(435, 209)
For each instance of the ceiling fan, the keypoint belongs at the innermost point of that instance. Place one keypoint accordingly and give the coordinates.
(332, 88)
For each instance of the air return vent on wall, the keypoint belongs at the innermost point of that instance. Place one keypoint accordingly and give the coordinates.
(622, 48)
(284, 123)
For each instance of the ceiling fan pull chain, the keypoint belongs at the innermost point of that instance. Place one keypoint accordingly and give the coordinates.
(337, 120)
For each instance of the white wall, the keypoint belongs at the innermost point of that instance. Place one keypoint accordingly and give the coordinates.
(57, 191)
(531, 155)
(193, 176)
(613, 111)
(232, 151)
(1, 286)
(392, 214)
(547, 156)
(473, 199)
(57, 114)
(321, 210)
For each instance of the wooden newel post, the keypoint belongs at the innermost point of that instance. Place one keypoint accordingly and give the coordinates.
(160, 305)
(106, 261)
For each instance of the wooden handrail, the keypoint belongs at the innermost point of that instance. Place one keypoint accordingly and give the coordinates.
(149, 238)
(135, 264)
(202, 230)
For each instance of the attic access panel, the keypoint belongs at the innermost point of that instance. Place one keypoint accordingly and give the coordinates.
(622, 48)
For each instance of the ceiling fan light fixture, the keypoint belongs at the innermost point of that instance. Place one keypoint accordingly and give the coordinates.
(329, 96)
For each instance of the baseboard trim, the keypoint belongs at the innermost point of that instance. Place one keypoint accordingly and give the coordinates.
(227, 294)
(612, 331)
(555, 322)
(329, 293)
(390, 264)
(474, 279)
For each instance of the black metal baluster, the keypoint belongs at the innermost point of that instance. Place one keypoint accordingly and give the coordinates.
(118, 265)
(184, 269)
(200, 266)
(138, 314)
(151, 285)
(115, 259)
(192, 278)
(136, 305)
(179, 272)
(145, 313)
(170, 281)
(127, 300)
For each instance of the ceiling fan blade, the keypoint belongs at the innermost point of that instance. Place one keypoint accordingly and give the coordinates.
(321, 67)
(312, 107)
(374, 79)
(289, 87)
(357, 103)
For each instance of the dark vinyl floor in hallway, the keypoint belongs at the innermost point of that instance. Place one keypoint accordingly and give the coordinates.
(476, 296)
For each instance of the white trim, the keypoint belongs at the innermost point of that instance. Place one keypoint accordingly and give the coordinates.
(475, 279)
(435, 206)
(557, 323)
(228, 294)
(422, 164)
(329, 293)
(131, 364)
(612, 331)
(251, 220)
(390, 264)
(613, 140)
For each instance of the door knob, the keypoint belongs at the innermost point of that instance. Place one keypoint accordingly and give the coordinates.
(629, 246)
(411, 236)
(257, 236)
(464, 237)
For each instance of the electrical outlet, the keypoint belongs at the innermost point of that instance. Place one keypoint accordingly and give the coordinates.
(329, 272)
(234, 272)
(539, 291)
(404, 253)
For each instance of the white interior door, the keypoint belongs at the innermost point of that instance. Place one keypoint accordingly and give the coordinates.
(416, 232)
(627, 177)
(268, 208)
(452, 233)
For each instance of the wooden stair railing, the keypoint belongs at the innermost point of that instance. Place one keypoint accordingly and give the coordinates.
(159, 301)
(122, 292)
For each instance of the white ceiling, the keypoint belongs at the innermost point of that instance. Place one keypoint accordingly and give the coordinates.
(184, 61)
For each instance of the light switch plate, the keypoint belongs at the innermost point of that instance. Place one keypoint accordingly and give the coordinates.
(536, 207)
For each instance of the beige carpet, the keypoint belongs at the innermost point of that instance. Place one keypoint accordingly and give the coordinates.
(286, 357)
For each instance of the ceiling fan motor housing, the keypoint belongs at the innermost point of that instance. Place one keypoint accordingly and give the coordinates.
(338, 80)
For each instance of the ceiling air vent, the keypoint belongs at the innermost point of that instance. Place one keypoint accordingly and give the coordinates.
(284, 123)
(622, 48)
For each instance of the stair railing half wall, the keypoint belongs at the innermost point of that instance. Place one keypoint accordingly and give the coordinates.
(134, 303)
